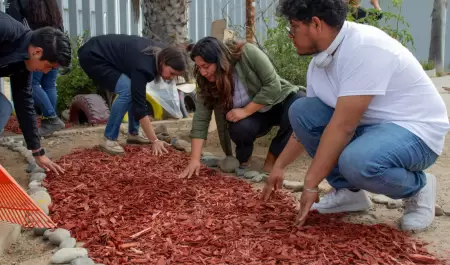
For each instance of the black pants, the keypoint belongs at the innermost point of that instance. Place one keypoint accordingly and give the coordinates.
(244, 132)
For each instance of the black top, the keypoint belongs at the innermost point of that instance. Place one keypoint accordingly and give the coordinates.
(19, 10)
(105, 58)
(14, 41)
(362, 14)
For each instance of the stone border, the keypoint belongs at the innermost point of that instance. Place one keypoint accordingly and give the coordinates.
(69, 253)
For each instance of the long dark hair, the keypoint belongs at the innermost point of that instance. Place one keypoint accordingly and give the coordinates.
(224, 55)
(171, 55)
(43, 13)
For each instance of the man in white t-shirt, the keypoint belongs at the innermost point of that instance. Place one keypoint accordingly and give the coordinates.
(372, 119)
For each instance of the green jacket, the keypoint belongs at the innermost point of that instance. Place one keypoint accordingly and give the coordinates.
(264, 86)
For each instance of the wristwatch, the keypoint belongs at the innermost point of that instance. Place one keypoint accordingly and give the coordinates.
(41, 152)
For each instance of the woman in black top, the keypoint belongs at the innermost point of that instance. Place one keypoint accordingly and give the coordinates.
(124, 64)
(37, 14)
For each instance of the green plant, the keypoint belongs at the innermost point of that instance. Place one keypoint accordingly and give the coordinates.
(393, 23)
(76, 82)
(284, 56)
(428, 65)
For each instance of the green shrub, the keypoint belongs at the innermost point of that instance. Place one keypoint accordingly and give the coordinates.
(428, 65)
(76, 82)
(283, 54)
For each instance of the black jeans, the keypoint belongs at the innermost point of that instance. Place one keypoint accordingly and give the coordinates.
(244, 132)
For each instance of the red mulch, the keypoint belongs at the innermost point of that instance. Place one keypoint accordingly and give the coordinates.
(104, 200)
(13, 125)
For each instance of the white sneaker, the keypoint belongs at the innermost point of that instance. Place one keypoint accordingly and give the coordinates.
(112, 147)
(343, 200)
(419, 209)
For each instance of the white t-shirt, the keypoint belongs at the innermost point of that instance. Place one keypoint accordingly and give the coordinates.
(370, 62)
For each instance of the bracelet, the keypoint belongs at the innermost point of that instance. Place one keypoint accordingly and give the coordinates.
(157, 140)
(315, 190)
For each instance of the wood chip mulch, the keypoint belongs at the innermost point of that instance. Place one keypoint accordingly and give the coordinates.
(133, 209)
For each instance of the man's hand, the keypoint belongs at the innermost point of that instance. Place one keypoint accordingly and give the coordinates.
(306, 201)
(274, 182)
(47, 164)
(159, 147)
(236, 115)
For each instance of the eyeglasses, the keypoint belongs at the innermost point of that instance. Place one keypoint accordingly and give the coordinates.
(289, 30)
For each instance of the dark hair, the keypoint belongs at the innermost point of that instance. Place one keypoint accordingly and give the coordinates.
(56, 45)
(333, 12)
(172, 56)
(211, 50)
(43, 13)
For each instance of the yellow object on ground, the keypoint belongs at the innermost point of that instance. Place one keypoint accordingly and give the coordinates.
(158, 111)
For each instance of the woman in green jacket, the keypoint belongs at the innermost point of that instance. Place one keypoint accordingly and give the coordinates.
(239, 83)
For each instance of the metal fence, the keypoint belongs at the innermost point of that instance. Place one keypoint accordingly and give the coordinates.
(116, 16)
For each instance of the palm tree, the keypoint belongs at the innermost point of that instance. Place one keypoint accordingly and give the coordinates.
(437, 41)
(163, 20)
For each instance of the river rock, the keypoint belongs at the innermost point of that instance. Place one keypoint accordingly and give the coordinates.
(20, 149)
(39, 231)
(30, 159)
(258, 178)
(34, 184)
(438, 210)
(67, 255)
(36, 189)
(25, 153)
(68, 243)
(181, 145)
(82, 261)
(38, 176)
(240, 171)
(47, 233)
(41, 198)
(251, 174)
(58, 236)
(293, 185)
(65, 114)
(161, 129)
(38, 169)
(207, 154)
(210, 161)
(228, 164)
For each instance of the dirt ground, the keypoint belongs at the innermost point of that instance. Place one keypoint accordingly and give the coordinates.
(30, 250)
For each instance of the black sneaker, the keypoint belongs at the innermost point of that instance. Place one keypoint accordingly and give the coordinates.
(50, 125)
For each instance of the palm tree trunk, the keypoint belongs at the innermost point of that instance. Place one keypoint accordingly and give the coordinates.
(163, 20)
(437, 41)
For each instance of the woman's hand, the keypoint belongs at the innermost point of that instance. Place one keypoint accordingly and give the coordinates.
(48, 165)
(274, 182)
(308, 197)
(236, 115)
(159, 147)
(193, 167)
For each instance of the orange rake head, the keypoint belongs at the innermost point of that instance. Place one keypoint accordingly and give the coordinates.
(17, 207)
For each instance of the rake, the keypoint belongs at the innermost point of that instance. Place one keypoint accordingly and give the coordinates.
(17, 207)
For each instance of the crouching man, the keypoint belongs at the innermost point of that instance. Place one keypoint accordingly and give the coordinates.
(372, 119)
(23, 51)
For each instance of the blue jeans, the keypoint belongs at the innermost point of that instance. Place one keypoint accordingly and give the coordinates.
(120, 106)
(44, 92)
(382, 158)
(5, 111)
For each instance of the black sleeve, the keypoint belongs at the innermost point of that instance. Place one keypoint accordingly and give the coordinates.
(24, 106)
(13, 8)
(138, 94)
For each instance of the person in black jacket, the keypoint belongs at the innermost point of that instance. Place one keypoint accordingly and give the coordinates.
(124, 64)
(23, 51)
(361, 15)
(37, 14)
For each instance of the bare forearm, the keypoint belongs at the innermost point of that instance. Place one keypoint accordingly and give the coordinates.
(375, 4)
(196, 152)
(291, 152)
(146, 125)
(332, 143)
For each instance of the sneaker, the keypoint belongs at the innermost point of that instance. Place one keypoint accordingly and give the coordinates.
(111, 147)
(137, 139)
(343, 200)
(419, 209)
(50, 125)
